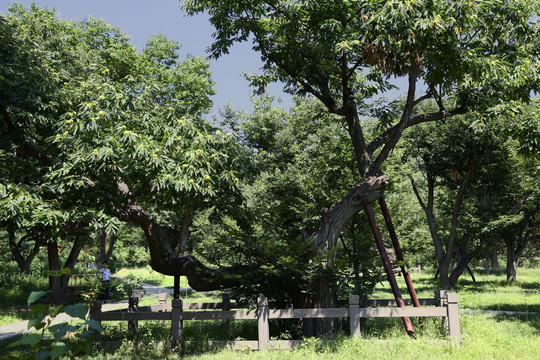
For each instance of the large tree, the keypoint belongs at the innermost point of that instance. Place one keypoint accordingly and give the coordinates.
(93, 132)
(471, 57)
(463, 180)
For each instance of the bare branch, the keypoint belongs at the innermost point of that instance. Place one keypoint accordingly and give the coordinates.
(428, 117)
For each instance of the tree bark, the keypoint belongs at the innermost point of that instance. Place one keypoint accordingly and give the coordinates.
(511, 260)
(494, 259)
(106, 246)
(164, 259)
(369, 190)
(58, 283)
(15, 248)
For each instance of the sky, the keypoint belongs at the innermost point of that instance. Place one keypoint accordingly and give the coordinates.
(141, 18)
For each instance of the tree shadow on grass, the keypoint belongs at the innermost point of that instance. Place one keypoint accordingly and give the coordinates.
(531, 319)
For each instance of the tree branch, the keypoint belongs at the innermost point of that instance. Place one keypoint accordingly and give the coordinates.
(400, 127)
(428, 117)
(459, 201)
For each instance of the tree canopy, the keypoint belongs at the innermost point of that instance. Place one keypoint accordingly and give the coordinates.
(91, 128)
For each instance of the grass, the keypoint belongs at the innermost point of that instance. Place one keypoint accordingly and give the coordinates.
(149, 276)
(484, 336)
(490, 292)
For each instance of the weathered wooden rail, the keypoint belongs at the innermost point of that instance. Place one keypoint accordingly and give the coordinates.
(447, 309)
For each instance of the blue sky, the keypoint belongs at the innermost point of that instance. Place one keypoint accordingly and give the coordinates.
(141, 18)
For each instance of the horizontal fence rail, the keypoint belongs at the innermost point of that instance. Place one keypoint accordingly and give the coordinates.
(174, 312)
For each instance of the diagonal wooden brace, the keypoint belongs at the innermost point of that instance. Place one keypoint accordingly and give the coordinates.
(388, 268)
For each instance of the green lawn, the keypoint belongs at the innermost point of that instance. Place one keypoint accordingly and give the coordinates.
(149, 276)
(484, 336)
(490, 292)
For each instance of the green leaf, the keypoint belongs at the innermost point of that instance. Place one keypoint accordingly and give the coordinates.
(37, 308)
(58, 349)
(83, 346)
(93, 324)
(35, 322)
(36, 295)
(43, 354)
(77, 310)
(60, 330)
(29, 339)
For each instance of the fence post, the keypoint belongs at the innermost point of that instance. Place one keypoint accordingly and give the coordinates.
(452, 309)
(176, 322)
(225, 306)
(95, 310)
(443, 299)
(133, 306)
(162, 300)
(95, 314)
(262, 318)
(354, 314)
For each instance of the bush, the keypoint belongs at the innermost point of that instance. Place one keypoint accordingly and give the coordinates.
(17, 287)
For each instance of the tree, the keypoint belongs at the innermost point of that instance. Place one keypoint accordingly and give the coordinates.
(466, 175)
(345, 52)
(518, 225)
(100, 133)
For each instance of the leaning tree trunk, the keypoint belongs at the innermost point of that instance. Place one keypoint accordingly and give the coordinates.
(165, 260)
(333, 221)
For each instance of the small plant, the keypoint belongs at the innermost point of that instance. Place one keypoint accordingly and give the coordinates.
(52, 341)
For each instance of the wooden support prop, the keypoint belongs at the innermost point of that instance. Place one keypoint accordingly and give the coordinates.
(176, 291)
(399, 253)
(388, 268)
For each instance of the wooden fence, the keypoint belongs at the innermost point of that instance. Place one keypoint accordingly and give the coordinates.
(447, 309)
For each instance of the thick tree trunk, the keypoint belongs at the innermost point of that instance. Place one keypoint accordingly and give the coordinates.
(511, 265)
(487, 269)
(164, 259)
(54, 266)
(444, 270)
(511, 259)
(58, 283)
(369, 190)
(184, 232)
(494, 258)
